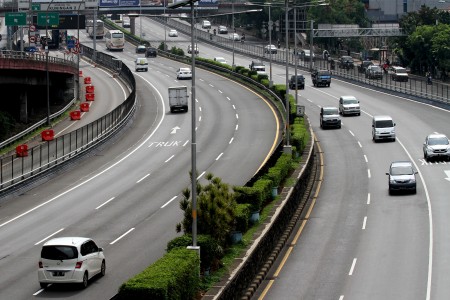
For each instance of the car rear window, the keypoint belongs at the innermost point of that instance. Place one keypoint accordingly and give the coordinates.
(59, 252)
(384, 124)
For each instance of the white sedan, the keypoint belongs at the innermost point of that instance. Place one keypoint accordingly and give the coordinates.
(235, 37)
(173, 33)
(184, 73)
(270, 49)
(220, 60)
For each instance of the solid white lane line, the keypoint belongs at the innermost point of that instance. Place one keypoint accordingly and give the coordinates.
(143, 178)
(231, 140)
(169, 158)
(364, 223)
(351, 133)
(46, 238)
(368, 198)
(218, 157)
(360, 146)
(368, 173)
(352, 267)
(120, 237)
(365, 158)
(167, 203)
(105, 203)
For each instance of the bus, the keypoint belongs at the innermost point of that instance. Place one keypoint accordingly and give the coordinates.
(99, 29)
(115, 40)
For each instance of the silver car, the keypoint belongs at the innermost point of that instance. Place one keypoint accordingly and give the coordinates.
(436, 146)
(402, 177)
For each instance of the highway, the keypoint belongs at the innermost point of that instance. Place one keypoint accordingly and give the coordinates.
(358, 242)
(126, 194)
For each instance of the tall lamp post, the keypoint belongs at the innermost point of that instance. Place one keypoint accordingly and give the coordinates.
(194, 142)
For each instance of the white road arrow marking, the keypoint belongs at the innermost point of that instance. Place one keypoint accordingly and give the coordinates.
(447, 173)
(174, 130)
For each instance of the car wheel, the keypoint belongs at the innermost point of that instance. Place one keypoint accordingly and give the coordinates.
(339, 126)
(414, 191)
(393, 139)
(103, 269)
(329, 84)
(84, 284)
(43, 285)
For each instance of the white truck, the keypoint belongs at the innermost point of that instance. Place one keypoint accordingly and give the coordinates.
(178, 98)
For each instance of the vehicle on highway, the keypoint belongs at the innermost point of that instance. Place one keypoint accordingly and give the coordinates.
(329, 117)
(321, 77)
(234, 37)
(270, 49)
(257, 66)
(184, 73)
(141, 63)
(206, 24)
(402, 177)
(374, 72)
(399, 74)
(115, 40)
(126, 24)
(99, 29)
(220, 60)
(70, 260)
(178, 98)
(383, 128)
(364, 65)
(173, 33)
(297, 82)
(141, 49)
(151, 52)
(436, 146)
(189, 49)
(305, 54)
(349, 105)
(223, 30)
(346, 62)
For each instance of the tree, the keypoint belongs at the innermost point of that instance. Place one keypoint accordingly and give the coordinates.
(215, 209)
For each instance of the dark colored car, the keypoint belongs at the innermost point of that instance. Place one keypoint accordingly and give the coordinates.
(364, 65)
(402, 177)
(329, 117)
(151, 52)
(298, 81)
(346, 62)
(374, 72)
(321, 77)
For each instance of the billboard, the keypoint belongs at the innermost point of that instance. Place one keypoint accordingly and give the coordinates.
(137, 3)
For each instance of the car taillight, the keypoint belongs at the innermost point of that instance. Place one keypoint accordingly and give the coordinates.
(78, 265)
(40, 265)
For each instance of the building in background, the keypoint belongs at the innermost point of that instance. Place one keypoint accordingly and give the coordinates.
(387, 11)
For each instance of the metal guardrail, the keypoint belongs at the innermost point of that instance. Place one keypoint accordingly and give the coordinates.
(36, 56)
(15, 170)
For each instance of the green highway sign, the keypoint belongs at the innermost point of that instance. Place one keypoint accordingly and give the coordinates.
(48, 19)
(35, 6)
(16, 19)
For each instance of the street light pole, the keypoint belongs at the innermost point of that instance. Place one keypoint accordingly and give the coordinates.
(287, 147)
(270, 52)
(234, 31)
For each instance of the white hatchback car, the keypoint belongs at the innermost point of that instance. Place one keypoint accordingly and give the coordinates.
(220, 60)
(70, 260)
(184, 73)
(173, 33)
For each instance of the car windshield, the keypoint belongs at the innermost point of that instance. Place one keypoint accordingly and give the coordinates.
(330, 111)
(402, 170)
(438, 141)
(401, 70)
(59, 252)
(384, 124)
(350, 101)
(375, 68)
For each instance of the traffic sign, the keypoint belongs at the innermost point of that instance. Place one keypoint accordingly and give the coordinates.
(32, 28)
(35, 6)
(70, 44)
(16, 19)
(48, 19)
(32, 39)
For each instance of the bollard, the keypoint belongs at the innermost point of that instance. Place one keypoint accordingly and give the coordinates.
(87, 80)
(90, 97)
(84, 107)
(90, 89)
(48, 135)
(75, 115)
(22, 150)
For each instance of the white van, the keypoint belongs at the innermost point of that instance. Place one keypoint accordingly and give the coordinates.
(383, 128)
(206, 24)
(141, 63)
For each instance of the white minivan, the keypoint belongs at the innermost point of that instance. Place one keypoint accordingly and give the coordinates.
(141, 63)
(206, 24)
(383, 128)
